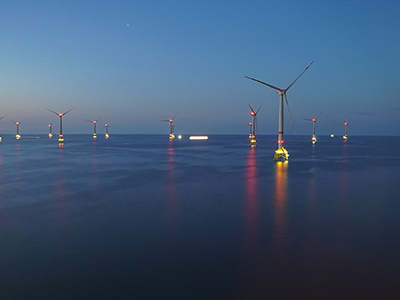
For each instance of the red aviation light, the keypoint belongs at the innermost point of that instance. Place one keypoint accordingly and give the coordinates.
(313, 120)
(345, 123)
(17, 123)
(252, 113)
(250, 124)
(170, 121)
(94, 122)
(60, 115)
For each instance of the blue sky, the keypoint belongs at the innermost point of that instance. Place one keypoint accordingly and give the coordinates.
(133, 63)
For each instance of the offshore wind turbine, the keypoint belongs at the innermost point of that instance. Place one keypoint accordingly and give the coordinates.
(60, 136)
(281, 152)
(171, 127)
(254, 125)
(345, 130)
(106, 135)
(17, 136)
(94, 127)
(250, 125)
(313, 139)
(50, 133)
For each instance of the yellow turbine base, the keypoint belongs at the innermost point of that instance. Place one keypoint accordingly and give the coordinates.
(17, 136)
(314, 140)
(253, 142)
(345, 137)
(281, 153)
(171, 137)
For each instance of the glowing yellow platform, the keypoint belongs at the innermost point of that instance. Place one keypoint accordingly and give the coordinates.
(281, 153)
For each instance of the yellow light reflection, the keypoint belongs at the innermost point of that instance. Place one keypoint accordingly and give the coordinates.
(280, 222)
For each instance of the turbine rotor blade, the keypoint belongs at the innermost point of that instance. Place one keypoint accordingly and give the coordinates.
(298, 76)
(290, 117)
(319, 115)
(308, 119)
(271, 86)
(68, 111)
(174, 116)
(258, 109)
(252, 109)
(52, 111)
(3, 116)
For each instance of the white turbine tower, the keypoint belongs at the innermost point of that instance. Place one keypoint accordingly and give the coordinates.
(314, 138)
(281, 152)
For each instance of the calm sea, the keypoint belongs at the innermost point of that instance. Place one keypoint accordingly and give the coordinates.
(138, 217)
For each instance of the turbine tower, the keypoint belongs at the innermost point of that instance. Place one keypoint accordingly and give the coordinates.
(107, 135)
(50, 133)
(60, 136)
(345, 130)
(17, 136)
(313, 139)
(94, 127)
(254, 125)
(281, 152)
(250, 126)
(171, 127)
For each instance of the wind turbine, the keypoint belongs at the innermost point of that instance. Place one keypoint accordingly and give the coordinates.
(313, 139)
(345, 130)
(50, 133)
(17, 136)
(94, 127)
(281, 152)
(254, 124)
(171, 127)
(107, 135)
(0, 119)
(60, 136)
(250, 131)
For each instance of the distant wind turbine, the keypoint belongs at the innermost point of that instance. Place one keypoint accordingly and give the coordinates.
(254, 125)
(60, 136)
(345, 130)
(281, 152)
(94, 127)
(17, 136)
(313, 139)
(106, 135)
(171, 127)
(50, 133)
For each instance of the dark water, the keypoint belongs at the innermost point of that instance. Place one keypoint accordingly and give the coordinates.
(137, 217)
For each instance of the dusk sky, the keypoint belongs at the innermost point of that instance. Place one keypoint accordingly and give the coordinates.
(134, 63)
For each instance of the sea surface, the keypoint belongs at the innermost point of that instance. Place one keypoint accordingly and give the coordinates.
(139, 217)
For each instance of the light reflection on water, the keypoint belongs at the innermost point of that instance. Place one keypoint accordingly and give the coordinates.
(280, 244)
